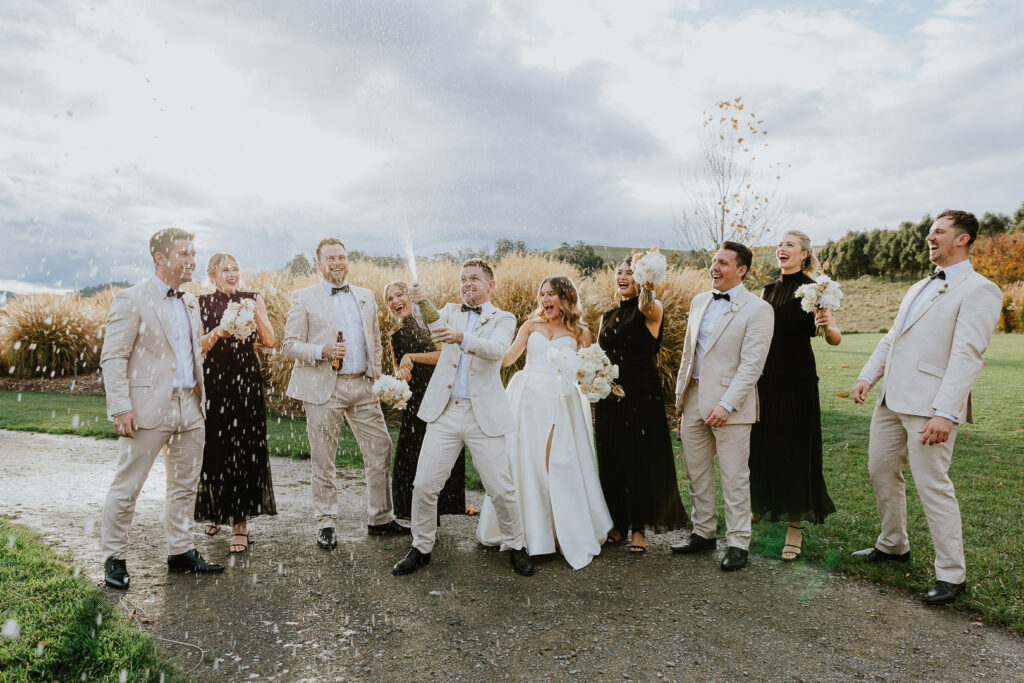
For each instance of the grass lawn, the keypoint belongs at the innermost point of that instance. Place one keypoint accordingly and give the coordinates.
(66, 630)
(987, 470)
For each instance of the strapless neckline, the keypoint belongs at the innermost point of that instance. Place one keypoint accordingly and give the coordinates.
(552, 341)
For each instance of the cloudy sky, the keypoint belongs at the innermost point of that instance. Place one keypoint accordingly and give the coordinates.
(265, 125)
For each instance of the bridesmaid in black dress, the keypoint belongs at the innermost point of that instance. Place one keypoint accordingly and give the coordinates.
(414, 357)
(634, 450)
(235, 483)
(786, 480)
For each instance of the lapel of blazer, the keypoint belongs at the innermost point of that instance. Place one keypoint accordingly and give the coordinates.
(156, 300)
(693, 325)
(905, 305)
(923, 307)
(321, 299)
(728, 316)
(487, 312)
(365, 311)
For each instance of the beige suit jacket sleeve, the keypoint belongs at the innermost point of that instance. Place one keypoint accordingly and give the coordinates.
(118, 342)
(684, 364)
(971, 337)
(757, 339)
(495, 346)
(295, 345)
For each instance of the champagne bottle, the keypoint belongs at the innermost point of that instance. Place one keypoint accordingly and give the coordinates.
(427, 310)
(336, 363)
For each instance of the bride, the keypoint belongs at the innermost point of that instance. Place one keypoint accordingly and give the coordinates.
(552, 451)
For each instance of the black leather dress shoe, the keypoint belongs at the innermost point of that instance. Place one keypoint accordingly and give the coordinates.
(735, 558)
(116, 574)
(326, 538)
(876, 555)
(411, 562)
(943, 592)
(393, 527)
(520, 560)
(694, 544)
(192, 561)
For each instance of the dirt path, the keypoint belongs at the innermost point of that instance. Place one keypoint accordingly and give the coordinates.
(290, 611)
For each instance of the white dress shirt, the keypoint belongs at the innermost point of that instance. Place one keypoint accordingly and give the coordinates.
(926, 293)
(460, 389)
(350, 322)
(712, 316)
(181, 330)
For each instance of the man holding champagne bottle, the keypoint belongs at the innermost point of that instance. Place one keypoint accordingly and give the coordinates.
(333, 335)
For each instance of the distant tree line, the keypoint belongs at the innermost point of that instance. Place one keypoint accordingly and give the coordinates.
(903, 253)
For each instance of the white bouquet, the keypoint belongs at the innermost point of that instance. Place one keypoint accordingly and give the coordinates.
(824, 292)
(649, 268)
(240, 318)
(591, 369)
(392, 391)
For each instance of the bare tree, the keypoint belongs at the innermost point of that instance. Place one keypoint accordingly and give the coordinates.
(732, 197)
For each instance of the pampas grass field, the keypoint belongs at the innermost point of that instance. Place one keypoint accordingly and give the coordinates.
(49, 335)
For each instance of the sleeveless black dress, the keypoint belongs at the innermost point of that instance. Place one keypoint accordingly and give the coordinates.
(785, 444)
(634, 449)
(411, 337)
(235, 483)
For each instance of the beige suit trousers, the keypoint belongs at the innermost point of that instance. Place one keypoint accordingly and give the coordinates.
(445, 437)
(351, 400)
(895, 441)
(183, 432)
(732, 445)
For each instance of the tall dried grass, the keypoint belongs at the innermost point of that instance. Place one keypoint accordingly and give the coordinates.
(518, 277)
(1011, 318)
(50, 335)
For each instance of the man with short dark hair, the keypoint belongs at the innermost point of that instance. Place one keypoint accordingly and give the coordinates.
(333, 377)
(930, 359)
(465, 405)
(153, 377)
(727, 340)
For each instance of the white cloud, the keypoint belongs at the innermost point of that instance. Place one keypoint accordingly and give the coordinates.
(264, 126)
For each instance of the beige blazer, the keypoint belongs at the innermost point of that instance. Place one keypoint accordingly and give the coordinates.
(310, 325)
(932, 364)
(734, 358)
(491, 338)
(138, 359)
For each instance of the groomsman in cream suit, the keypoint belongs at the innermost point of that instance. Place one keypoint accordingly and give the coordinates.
(331, 395)
(465, 404)
(930, 359)
(727, 340)
(153, 377)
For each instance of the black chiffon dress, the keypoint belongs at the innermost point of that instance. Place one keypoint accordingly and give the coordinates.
(412, 337)
(634, 449)
(786, 480)
(235, 483)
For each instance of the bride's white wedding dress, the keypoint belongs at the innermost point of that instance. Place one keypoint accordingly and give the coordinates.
(560, 497)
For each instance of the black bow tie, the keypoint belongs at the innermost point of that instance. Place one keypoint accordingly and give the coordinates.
(335, 290)
(176, 293)
(941, 274)
(719, 295)
(475, 309)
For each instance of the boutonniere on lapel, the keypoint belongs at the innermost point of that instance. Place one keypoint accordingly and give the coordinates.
(940, 291)
(733, 308)
(191, 305)
(483, 318)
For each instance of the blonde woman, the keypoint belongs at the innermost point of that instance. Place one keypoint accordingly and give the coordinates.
(786, 480)
(552, 452)
(235, 483)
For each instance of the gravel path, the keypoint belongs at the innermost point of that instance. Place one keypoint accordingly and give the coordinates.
(287, 610)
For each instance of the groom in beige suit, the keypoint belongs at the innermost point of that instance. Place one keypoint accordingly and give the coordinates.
(330, 394)
(930, 359)
(727, 340)
(465, 404)
(153, 378)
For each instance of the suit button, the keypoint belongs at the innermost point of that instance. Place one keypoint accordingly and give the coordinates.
(449, 386)
(455, 365)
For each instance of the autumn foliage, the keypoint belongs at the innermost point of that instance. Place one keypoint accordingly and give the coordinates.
(1000, 257)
